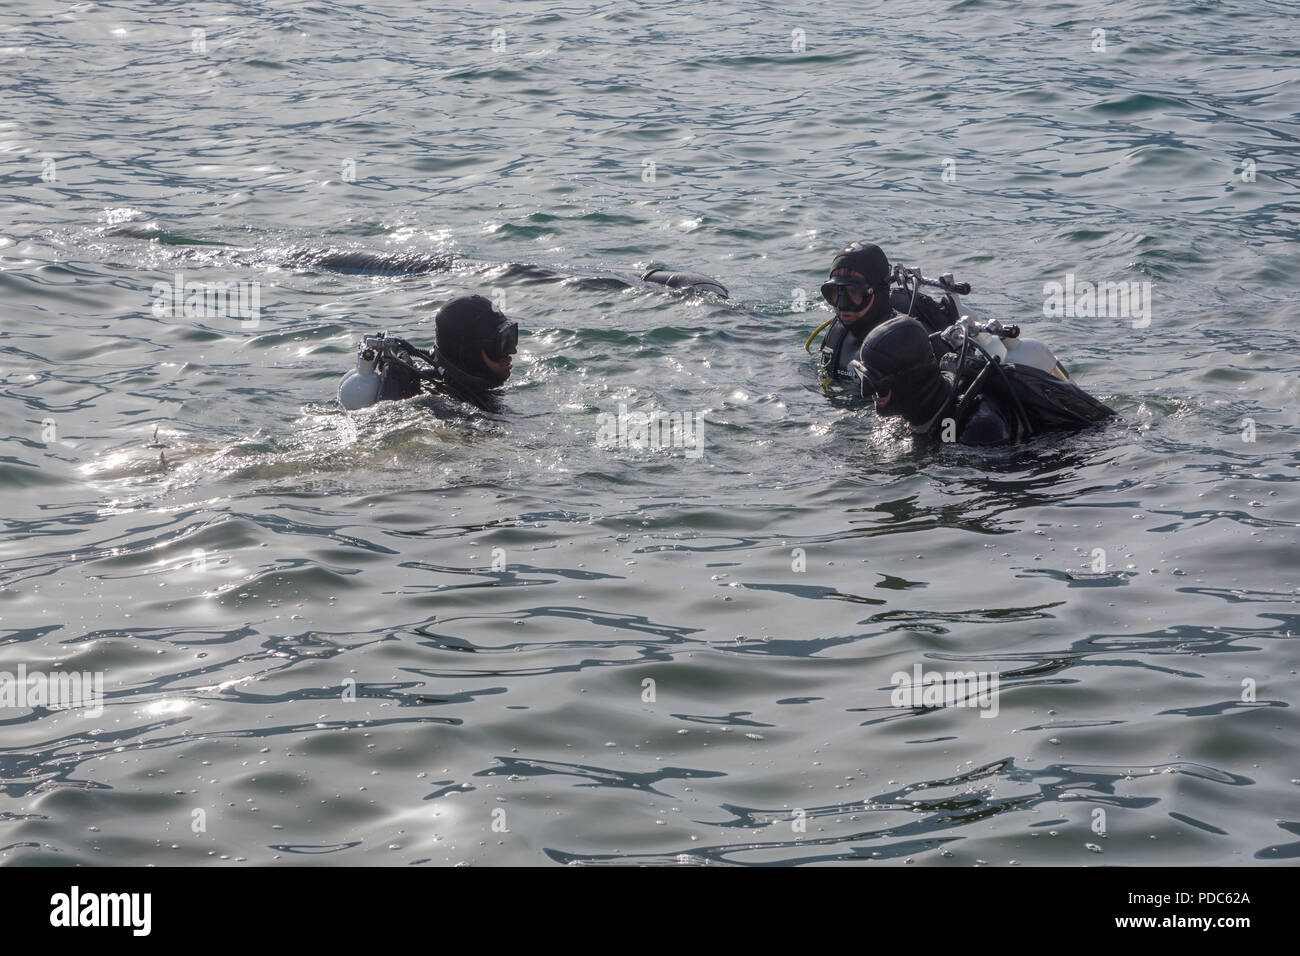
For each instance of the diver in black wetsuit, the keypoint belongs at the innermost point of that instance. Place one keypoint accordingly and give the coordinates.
(470, 361)
(969, 396)
(859, 291)
(472, 352)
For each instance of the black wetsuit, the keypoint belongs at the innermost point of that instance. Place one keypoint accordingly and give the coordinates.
(452, 383)
(444, 381)
(988, 424)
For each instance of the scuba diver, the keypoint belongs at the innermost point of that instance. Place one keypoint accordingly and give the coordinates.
(948, 375)
(471, 359)
(970, 395)
(859, 290)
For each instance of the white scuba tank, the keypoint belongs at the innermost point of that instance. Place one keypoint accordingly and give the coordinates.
(1020, 350)
(360, 387)
(1035, 354)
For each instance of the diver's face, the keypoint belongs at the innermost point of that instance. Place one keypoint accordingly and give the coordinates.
(496, 354)
(500, 369)
(857, 303)
(881, 389)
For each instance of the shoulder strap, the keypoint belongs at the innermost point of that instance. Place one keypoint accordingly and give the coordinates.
(832, 345)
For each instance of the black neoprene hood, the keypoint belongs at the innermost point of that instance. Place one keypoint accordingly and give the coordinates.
(464, 327)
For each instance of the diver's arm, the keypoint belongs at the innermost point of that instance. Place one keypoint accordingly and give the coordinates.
(933, 315)
(989, 425)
